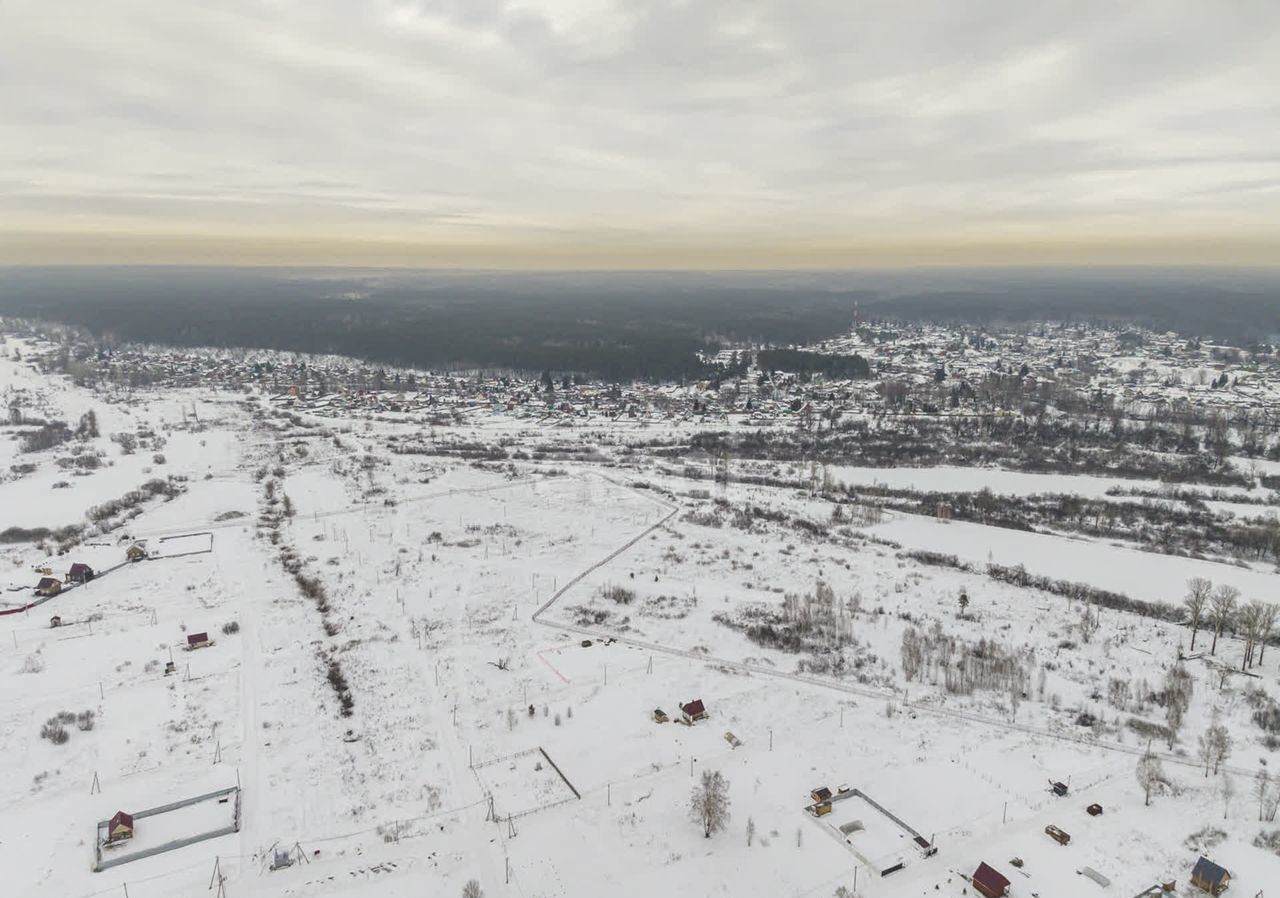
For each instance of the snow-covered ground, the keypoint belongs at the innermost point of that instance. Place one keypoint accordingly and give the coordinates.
(507, 626)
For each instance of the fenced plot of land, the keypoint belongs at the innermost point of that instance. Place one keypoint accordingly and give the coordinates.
(183, 544)
(525, 782)
(876, 836)
(171, 826)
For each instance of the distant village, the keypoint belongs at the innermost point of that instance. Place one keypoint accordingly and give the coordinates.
(915, 369)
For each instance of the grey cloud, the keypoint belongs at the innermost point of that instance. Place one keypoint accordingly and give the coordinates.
(657, 120)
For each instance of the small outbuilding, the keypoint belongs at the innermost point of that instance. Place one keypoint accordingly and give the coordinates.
(79, 573)
(197, 640)
(693, 711)
(822, 809)
(120, 827)
(1058, 835)
(1094, 810)
(135, 552)
(55, 621)
(990, 882)
(822, 793)
(660, 716)
(48, 587)
(1209, 877)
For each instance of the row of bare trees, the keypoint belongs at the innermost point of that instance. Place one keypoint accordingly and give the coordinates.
(1220, 608)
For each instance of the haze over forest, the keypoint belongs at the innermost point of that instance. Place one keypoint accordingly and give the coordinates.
(614, 325)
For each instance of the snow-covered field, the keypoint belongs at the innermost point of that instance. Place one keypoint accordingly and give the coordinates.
(490, 618)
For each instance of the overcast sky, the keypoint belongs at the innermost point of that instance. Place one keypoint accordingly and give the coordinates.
(639, 133)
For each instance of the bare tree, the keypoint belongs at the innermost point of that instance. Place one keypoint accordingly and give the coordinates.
(1198, 592)
(1174, 711)
(1221, 741)
(1227, 790)
(1150, 773)
(1270, 617)
(472, 889)
(1222, 606)
(1204, 751)
(751, 830)
(1261, 789)
(1251, 622)
(1178, 686)
(709, 802)
(1089, 622)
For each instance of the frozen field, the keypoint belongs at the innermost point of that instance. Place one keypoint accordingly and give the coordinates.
(386, 608)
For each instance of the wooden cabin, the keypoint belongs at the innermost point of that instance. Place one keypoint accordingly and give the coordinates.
(822, 808)
(48, 587)
(135, 553)
(990, 882)
(197, 640)
(120, 827)
(822, 793)
(693, 711)
(1058, 835)
(79, 573)
(1094, 810)
(660, 716)
(1209, 877)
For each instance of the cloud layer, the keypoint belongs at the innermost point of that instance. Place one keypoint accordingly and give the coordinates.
(718, 132)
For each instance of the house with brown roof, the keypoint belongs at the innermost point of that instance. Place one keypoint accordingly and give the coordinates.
(79, 573)
(48, 587)
(197, 640)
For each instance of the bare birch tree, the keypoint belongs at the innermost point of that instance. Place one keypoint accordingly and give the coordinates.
(709, 802)
(1198, 592)
(1221, 606)
(1150, 774)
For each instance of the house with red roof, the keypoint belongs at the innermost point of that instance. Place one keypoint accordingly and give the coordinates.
(990, 882)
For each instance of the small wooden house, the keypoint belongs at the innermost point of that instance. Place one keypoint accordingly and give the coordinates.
(1094, 810)
(79, 573)
(822, 808)
(1209, 877)
(48, 587)
(660, 716)
(120, 827)
(55, 621)
(822, 793)
(197, 640)
(988, 881)
(1060, 836)
(693, 711)
(135, 552)
(1059, 789)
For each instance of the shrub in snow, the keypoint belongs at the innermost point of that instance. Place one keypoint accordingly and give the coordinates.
(54, 731)
(230, 627)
